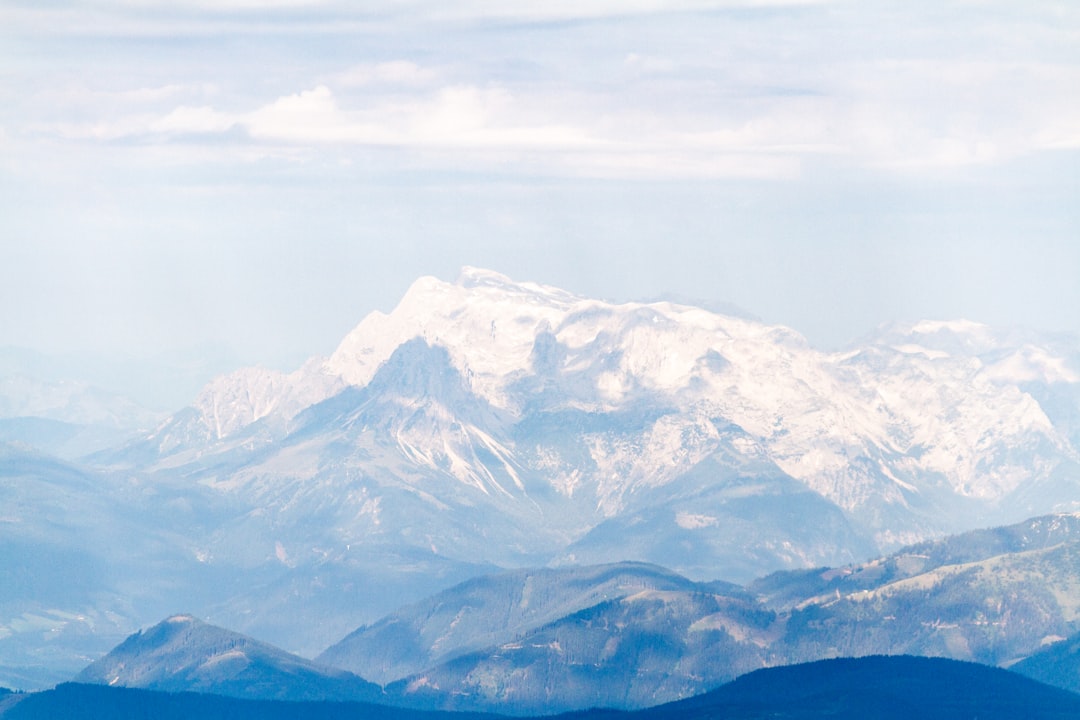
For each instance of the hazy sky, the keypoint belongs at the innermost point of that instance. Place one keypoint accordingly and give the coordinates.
(261, 175)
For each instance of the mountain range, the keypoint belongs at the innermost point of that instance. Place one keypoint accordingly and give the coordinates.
(489, 424)
(631, 635)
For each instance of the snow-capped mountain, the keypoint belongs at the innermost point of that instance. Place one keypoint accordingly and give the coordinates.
(918, 430)
(487, 424)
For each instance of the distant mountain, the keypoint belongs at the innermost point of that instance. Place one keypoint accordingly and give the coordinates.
(645, 648)
(87, 556)
(67, 418)
(73, 564)
(967, 550)
(161, 382)
(597, 414)
(183, 654)
(992, 596)
(845, 689)
(489, 424)
(492, 610)
(1057, 663)
(629, 636)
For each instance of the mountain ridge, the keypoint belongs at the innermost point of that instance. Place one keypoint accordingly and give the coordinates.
(991, 596)
(498, 332)
(182, 653)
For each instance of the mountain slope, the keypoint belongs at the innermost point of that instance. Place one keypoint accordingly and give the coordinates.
(630, 636)
(1057, 663)
(988, 596)
(1039, 534)
(82, 559)
(642, 649)
(923, 429)
(485, 611)
(183, 654)
(881, 687)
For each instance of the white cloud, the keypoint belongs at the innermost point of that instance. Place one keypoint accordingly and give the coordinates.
(454, 117)
(186, 119)
(165, 18)
(311, 116)
(146, 94)
(220, 5)
(773, 92)
(476, 125)
(579, 9)
(901, 115)
(394, 72)
(462, 114)
(915, 114)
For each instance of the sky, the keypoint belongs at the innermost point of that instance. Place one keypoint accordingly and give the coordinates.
(252, 178)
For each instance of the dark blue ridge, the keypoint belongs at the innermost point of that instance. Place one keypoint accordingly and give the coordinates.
(75, 701)
(879, 687)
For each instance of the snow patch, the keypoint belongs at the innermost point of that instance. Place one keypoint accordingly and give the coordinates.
(281, 554)
(180, 620)
(960, 327)
(912, 349)
(689, 521)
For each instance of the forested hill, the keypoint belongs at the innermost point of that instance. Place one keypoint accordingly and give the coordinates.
(880, 687)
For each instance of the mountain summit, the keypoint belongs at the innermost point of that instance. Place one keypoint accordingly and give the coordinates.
(182, 653)
(925, 428)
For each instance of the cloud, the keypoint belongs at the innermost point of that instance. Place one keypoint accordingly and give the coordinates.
(705, 95)
(454, 117)
(165, 18)
(217, 5)
(553, 10)
(311, 116)
(393, 72)
(473, 9)
(465, 114)
(476, 125)
(198, 120)
(145, 94)
(917, 114)
(899, 115)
